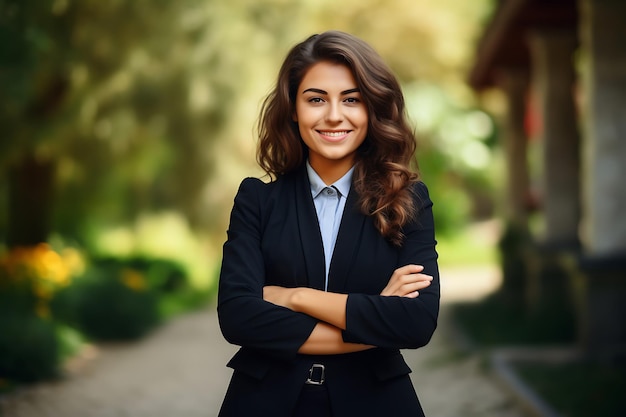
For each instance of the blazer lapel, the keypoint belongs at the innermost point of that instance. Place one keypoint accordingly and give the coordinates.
(346, 247)
(310, 236)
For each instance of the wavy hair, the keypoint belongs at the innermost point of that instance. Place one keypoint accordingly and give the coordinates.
(383, 176)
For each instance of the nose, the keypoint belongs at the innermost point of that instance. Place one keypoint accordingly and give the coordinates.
(334, 113)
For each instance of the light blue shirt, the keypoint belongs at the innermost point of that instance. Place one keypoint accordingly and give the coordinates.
(330, 202)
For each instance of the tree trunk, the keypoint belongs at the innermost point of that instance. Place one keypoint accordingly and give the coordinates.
(31, 186)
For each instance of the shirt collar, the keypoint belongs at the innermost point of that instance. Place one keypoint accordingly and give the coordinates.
(343, 184)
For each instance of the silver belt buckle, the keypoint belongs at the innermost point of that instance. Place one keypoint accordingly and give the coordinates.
(315, 371)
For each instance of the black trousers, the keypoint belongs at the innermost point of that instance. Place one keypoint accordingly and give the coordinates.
(313, 402)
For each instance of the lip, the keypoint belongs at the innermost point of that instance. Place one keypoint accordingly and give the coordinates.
(334, 136)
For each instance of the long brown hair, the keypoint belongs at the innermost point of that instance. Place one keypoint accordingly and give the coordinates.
(382, 175)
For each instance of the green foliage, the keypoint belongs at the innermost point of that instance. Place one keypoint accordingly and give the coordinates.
(185, 300)
(161, 275)
(579, 389)
(451, 206)
(16, 297)
(95, 85)
(455, 154)
(145, 105)
(167, 279)
(70, 340)
(109, 303)
(28, 348)
(32, 343)
(499, 320)
(30, 275)
(463, 248)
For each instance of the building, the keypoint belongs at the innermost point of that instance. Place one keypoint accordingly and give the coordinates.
(570, 57)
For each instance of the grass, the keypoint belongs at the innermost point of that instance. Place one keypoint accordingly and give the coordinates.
(579, 389)
(184, 301)
(573, 389)
(475, 245)
(496, 321)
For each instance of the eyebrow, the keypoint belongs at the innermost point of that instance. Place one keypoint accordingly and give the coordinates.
(343, 93)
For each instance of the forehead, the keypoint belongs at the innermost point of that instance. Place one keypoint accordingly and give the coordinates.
(328, 76)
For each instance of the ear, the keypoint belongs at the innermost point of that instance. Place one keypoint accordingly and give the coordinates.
(294, 116)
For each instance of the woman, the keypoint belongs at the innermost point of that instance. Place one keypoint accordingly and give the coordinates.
(330, 268)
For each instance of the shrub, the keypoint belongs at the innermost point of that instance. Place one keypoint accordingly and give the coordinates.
(109, 303)
(28, 348)
(167, 278)
(31, 275)
(162, 275)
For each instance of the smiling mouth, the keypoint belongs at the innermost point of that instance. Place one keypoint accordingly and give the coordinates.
(333, 134)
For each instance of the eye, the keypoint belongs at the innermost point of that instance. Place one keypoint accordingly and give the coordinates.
(315, 100)
(352, 100)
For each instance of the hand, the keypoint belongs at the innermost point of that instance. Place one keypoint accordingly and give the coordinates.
(407, 281)
(279, 295)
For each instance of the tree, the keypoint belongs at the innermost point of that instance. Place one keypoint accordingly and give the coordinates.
(111, 109)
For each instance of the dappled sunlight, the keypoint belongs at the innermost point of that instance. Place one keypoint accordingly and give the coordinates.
(160, 116)
(165, 235)
(469, 284)
(118, 241)
(469, 263)
(459, 131)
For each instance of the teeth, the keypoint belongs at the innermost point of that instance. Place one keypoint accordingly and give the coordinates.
(335, 134)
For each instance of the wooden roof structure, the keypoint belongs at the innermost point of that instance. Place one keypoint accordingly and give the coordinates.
(504, 43)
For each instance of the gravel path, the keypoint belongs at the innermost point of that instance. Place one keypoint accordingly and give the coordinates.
(179, 371)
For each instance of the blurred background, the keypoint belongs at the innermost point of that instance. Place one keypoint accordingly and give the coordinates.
(132, 118)
(127, 126)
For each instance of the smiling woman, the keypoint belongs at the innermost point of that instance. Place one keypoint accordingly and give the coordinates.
(330, 268)
(332, 119)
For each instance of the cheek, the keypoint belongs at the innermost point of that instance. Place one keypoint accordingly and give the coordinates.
(363, 129)
(360, 117)
(364, 118)
(302, 131)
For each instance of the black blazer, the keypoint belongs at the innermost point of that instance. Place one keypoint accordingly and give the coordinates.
(274, 239)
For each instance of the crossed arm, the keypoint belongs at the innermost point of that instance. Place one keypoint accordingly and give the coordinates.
(284, 321)
(330, 308)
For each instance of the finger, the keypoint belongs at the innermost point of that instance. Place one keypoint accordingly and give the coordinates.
(413, 278)
(415, 286)
(419, 277)
(409, 269)
(423, 283)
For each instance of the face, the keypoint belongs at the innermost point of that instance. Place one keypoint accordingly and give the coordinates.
(331, 117)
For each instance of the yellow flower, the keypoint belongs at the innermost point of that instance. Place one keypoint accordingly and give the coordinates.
(41, 270)
(52, 268)
(74, 261)
(133, 280)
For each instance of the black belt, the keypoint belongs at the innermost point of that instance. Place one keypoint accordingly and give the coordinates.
(317, 375)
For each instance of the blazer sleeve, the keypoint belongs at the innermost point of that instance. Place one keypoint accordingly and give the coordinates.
(245, 318)
(400, 322)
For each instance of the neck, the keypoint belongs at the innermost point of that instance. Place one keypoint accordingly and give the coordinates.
(331, 171)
